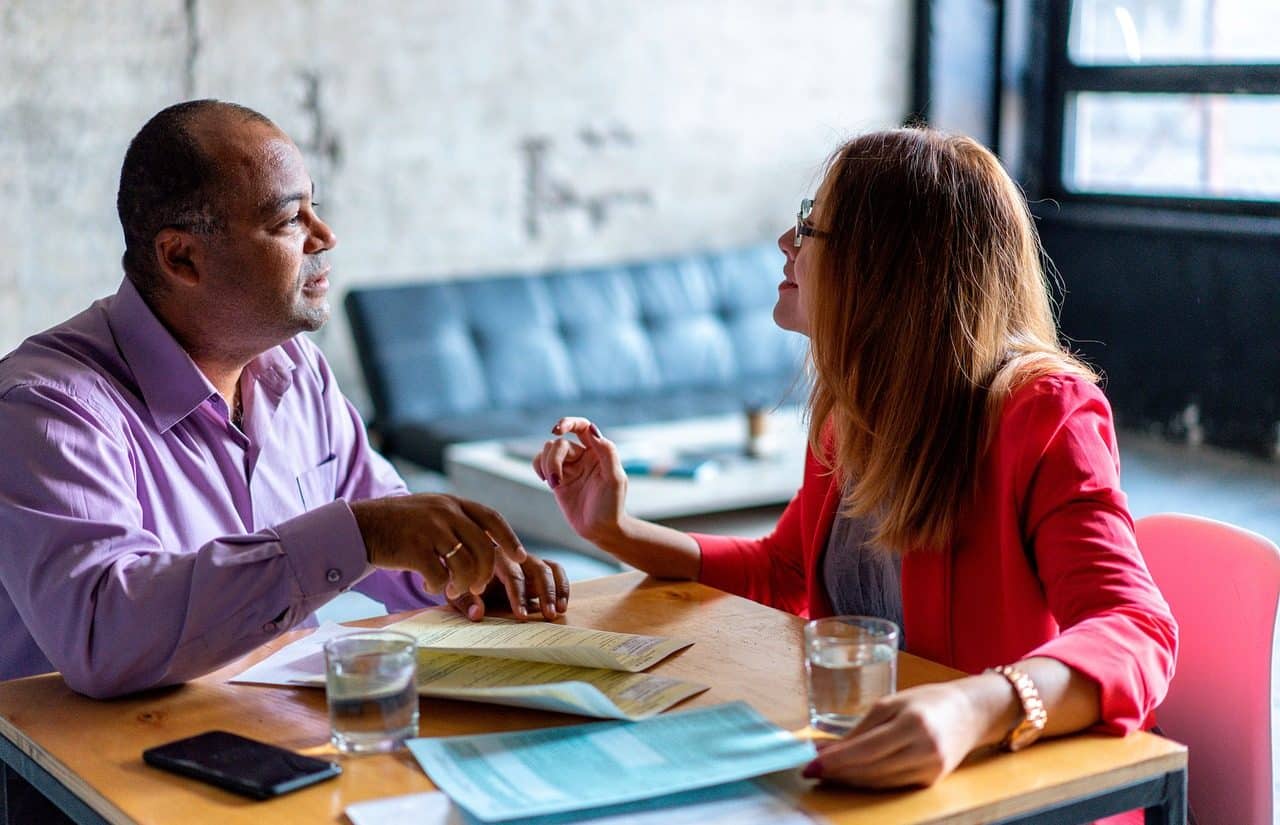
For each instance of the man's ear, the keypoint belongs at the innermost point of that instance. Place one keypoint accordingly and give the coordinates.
(176, 257)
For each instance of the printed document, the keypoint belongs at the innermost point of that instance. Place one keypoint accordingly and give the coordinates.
(504, 776)
(537, 641)
(540, 685)
(731, 804)
(589, 691)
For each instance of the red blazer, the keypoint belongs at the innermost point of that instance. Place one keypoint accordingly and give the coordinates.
(1044, 563)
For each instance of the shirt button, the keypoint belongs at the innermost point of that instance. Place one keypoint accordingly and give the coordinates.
(269, 627)
(333, 575)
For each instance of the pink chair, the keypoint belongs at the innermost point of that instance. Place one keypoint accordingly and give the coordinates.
(1223, 585)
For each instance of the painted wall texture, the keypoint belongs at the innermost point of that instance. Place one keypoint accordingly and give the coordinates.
(446, 138)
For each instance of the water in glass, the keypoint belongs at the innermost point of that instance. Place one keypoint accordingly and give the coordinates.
(373, 700)
(845, 680)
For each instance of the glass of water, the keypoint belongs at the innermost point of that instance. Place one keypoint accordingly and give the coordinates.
(850, 662)
(371, 689)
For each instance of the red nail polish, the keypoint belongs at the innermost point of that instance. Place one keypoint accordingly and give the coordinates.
(554, 481)
(813, 770)
(595, 431)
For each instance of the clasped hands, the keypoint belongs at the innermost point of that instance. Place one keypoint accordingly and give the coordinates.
(462, 549)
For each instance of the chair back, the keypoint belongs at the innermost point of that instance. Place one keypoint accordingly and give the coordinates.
(1223, 584)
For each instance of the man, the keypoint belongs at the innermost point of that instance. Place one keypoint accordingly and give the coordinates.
(183, 478)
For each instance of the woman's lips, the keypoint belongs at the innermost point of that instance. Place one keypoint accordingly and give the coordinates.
(785, 285)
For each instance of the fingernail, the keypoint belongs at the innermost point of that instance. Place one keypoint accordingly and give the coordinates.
(562, 605)
(595, 431)
(473, 612)
(813, 770)
(554, 481)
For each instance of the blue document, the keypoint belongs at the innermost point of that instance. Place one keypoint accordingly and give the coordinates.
(731, 804)
(502, 776)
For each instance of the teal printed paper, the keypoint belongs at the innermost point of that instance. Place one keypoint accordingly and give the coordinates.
(502, 776)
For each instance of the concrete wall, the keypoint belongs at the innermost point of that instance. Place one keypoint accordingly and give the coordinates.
(446, 138)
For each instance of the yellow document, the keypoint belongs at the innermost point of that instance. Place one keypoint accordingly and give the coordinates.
(589, 691)
(607, 694)
(448, 632)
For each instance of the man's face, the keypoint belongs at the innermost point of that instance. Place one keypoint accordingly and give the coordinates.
(267, 270)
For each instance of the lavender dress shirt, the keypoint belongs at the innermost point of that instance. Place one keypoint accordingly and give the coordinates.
(144, 539)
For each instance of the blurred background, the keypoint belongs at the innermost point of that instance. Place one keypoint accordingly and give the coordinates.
(456, 139)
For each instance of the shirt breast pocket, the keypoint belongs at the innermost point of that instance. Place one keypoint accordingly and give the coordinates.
(318, 486)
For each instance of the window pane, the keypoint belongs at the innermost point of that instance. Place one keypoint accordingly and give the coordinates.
(1219, 146)
(1129, 32)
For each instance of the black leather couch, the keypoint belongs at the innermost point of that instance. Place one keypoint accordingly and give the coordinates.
(463, 360)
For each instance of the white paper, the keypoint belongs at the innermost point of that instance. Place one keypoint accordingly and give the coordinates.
(297, 663)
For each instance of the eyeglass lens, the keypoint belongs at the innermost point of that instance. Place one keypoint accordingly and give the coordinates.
(806, 206)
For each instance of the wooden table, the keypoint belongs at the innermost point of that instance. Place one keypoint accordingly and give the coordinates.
(86, 754)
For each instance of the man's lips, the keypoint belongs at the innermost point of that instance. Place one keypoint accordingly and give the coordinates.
(317, 283)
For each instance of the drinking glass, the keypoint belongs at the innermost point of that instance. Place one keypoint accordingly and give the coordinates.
(850, 662)
(371, 689)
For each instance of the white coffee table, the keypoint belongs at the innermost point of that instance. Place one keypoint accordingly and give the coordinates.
(741, 496)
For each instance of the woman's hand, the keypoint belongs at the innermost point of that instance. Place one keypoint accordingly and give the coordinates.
(591, 489)
(913, 737)
(587, 479)
(919, 735)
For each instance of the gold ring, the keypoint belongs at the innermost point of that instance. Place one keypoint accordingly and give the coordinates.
(449, 555)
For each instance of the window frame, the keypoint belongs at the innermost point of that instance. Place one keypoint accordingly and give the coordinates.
(1059, 77)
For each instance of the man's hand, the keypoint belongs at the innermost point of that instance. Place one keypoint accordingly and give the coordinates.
(518, 585)
(451, 542)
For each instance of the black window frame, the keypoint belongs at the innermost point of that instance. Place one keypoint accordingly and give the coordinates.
(925, 22)
(1056, 77)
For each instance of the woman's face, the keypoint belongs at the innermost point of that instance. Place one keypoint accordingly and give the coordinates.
(792, 310)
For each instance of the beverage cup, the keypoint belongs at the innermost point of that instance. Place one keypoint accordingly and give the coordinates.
(850, 662)
(371, 689)
(758, 443)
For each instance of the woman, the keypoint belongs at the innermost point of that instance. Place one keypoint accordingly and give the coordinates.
(962, 471)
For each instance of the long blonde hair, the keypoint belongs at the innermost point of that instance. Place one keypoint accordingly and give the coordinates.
(928, 305)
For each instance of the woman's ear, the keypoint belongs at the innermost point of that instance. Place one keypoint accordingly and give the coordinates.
(176, 256)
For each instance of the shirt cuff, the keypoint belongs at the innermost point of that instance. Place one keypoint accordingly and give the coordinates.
(325, 549)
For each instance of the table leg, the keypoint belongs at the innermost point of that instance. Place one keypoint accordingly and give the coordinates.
(22, 804)
(29, 794)
(1172, 809)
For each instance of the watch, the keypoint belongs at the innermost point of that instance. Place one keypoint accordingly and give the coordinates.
(1034, 716)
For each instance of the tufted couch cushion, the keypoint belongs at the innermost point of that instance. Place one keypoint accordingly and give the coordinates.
(450, 361)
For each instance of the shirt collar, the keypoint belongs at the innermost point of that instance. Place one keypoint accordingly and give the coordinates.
(171, 384)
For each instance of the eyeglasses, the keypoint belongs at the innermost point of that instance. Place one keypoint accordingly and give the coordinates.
(803, 229)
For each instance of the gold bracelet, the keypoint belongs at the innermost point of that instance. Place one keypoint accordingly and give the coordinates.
(1034, 715)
